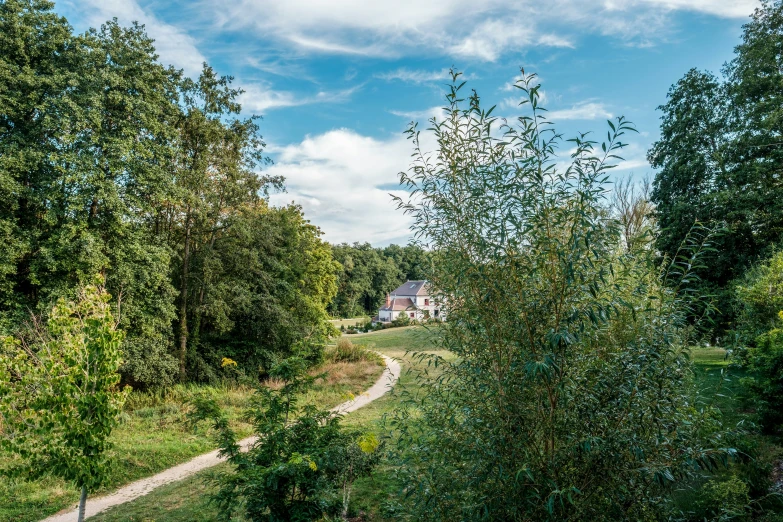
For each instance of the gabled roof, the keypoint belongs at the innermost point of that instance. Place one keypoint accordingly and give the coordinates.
(413, 288)
(399, 304)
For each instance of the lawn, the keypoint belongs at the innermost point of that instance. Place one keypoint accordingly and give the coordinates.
(337, 323)
(153, 436)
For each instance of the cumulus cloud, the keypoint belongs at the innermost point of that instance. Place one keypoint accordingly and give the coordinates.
(343, 180)
(173, 45)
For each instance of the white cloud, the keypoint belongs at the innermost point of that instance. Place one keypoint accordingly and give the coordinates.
(460, 28)
(343, 180)
(260, 97)
(417, 76)
(587, 110)
(173, 45)
(722, 8)
(424, 115)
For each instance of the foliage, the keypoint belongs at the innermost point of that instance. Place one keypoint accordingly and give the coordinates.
(571, 396)
(759, 295)
(402, 319)
(346, 351)
(765, 386)
(719, 154)
(59, 395)
(303, 463)
(112, 162)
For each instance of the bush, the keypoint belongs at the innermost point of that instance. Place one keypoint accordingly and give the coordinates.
(765, 386)
(148, 364)
(346, 351)
(760, 297)
(725, 499)
(401, 320)
(304, 463)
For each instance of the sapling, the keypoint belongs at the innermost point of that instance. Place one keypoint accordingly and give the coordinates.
(59, 393)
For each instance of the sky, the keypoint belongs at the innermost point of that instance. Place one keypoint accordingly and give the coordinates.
(338, 81)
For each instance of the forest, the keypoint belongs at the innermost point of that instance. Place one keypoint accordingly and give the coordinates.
(144, 273)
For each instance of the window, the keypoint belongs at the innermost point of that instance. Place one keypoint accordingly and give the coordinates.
(413, 315)
(436, 313)
(426, 302)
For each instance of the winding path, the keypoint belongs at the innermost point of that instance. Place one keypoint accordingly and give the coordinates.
(142, 487)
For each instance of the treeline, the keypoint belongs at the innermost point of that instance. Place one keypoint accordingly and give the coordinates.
(368, 273)
(720, 155)
(112, 163)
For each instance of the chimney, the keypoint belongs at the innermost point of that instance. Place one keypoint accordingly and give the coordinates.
(388, 299)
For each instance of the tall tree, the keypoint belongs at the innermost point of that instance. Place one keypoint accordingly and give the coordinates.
(216, 176)
(720, 154)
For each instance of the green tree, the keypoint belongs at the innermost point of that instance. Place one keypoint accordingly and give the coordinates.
(85, 159)
(272, 279)
(719, 156)
(59, 394)
(570, 396)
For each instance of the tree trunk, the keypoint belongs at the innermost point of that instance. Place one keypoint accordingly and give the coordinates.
(82, 504)
(183, 306)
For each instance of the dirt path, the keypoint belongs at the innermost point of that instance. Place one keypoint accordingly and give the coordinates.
(141, 487)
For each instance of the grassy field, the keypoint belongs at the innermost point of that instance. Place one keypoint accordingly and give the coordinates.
(188, 500)
(153, 436)
(337, 323)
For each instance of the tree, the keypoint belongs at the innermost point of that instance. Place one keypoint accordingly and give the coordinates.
(570, 394)
(634, 213)
(719, 158)
(59, 395)
(271, 280)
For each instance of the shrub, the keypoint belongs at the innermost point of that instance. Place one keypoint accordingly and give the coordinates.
(346, 351)
(401, 320)
(570, 396)
(760, 295)
(304, 463)
(726, 499)
(765, 385)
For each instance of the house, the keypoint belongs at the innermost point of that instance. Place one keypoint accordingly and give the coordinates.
(411, 298)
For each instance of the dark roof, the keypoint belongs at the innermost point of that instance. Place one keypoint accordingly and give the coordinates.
(399, 303)
(413, 288)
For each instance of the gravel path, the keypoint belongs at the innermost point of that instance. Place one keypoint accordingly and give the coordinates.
(141, 487)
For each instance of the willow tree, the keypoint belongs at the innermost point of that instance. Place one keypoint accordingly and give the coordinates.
(570, 397)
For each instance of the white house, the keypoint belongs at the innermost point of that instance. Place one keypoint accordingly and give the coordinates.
(411, 298)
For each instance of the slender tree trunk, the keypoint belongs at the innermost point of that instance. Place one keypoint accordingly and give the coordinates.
(183, 306)
(82, 504)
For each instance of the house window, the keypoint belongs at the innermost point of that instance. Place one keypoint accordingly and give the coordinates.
(426, 302)
(436, 313)
(413, 315)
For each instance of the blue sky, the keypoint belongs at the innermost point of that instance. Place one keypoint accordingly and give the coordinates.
(337, 81)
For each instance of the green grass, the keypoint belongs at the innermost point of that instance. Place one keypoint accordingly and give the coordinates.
(337, 323)
(153, 436)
